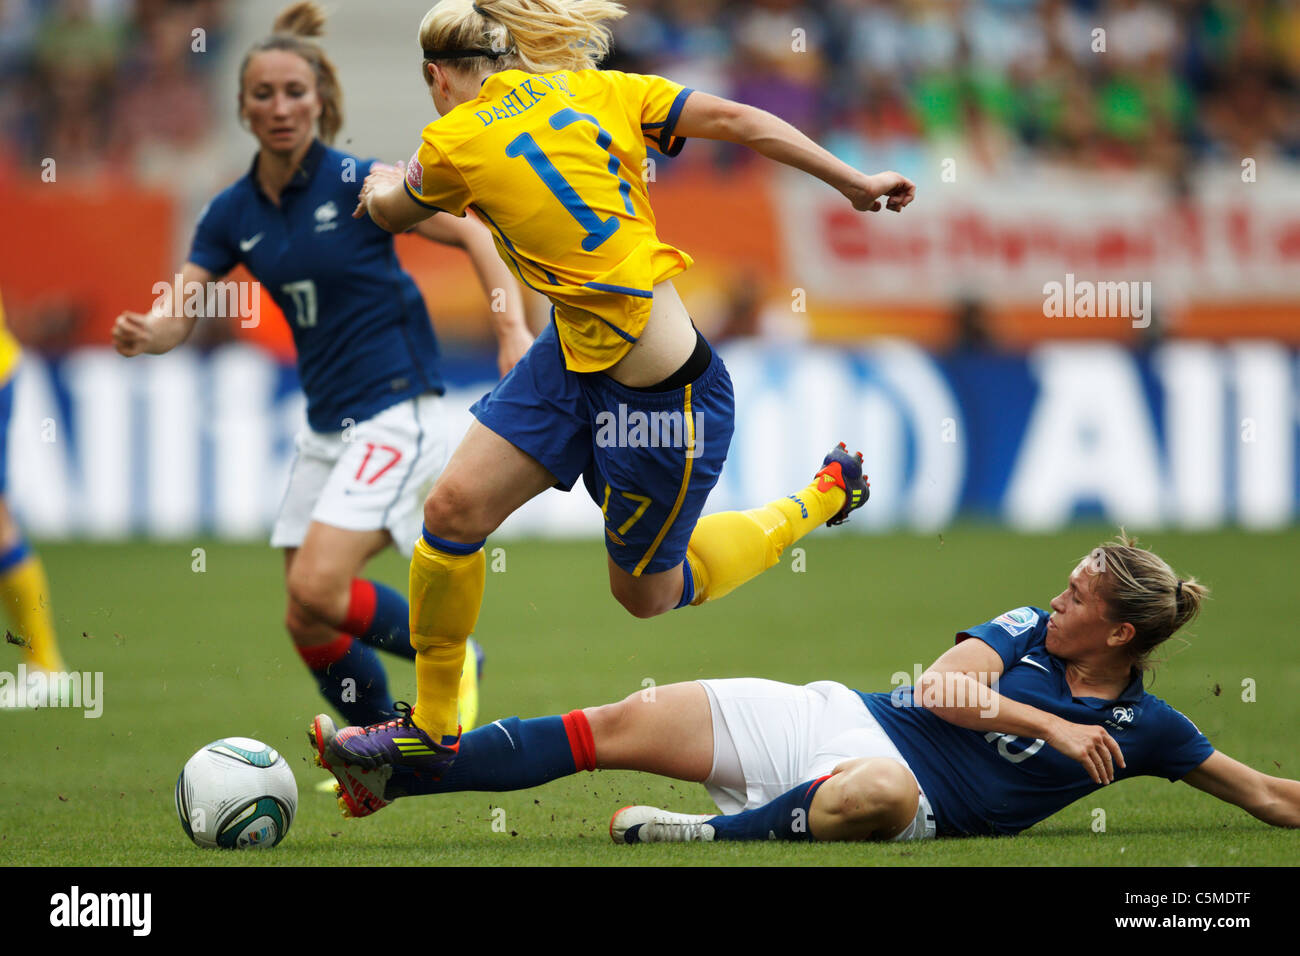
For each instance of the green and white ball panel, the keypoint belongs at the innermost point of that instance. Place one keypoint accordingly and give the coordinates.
(245, 749)
(182, 809)
(261, 824)
(236, 793)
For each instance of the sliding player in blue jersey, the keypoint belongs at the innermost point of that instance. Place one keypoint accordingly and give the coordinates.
(367, 357)
(1028, 713)
(620, 390)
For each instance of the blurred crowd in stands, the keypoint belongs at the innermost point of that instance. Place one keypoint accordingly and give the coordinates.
(99, 82)
(109, 82)
(107, 85)
(1165, 84)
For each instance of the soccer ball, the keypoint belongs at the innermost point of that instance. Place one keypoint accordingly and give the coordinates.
(236, 793)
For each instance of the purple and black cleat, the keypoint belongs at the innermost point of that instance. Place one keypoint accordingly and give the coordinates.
(396, 743)
(844, 471)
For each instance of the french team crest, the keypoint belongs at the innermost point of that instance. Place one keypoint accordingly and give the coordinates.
(1017, 622)
(326, 214)
(1121, 718)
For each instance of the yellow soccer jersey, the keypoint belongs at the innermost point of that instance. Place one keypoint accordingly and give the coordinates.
(554, 164)
(9, 349)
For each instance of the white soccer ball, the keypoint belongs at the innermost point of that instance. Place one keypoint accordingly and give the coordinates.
(236, 793)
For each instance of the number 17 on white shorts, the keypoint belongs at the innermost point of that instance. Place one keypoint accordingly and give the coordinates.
(369, 477)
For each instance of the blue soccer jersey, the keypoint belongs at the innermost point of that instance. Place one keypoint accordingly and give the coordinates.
(991, 783)
(363, 334)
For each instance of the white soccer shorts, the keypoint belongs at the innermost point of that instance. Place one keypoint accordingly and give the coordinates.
(769, 737)
(373, 476)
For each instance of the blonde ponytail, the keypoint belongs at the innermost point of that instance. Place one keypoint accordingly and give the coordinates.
(1137, 586)
(301, 19)
(538, 36)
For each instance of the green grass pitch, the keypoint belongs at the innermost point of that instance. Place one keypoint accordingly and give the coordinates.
(188, 657)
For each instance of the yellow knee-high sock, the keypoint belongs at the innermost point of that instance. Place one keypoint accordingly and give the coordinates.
(730, 548)
(446, 594)
(467, 692)
(26, 594)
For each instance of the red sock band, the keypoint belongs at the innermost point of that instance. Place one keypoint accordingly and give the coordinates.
(361, 608)
(323, 655)
(581, 741)
(815, 786)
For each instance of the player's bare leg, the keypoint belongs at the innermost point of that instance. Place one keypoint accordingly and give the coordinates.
(633, 734)
(648, 595)
(486, 480)
(731, 547)
(667, 731)
(318, 578)
(10, 532)
(870, 798)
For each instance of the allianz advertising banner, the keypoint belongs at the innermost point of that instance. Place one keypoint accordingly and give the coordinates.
(1186, 434)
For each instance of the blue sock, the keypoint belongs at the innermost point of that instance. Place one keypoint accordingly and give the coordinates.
(14, 556)
(352, 679)
(379, 616)
(688, 586)
(785, 818)
(510, 754)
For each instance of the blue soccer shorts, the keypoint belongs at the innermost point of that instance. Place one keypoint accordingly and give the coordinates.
(648, 459)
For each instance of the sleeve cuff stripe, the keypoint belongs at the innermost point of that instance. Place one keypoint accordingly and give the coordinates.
(673, 145)
(423, 202)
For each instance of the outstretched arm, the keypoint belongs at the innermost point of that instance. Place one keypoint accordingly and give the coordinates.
(1274, 800)
(162, 328)
(712, 117)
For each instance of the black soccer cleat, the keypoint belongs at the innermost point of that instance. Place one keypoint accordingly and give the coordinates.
(844, 471)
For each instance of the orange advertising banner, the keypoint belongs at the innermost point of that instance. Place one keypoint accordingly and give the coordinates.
(768, 262)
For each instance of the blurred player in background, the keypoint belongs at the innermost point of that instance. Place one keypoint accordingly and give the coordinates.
(23, 584)
(1028, 713)
(367, 358)
(550, 152)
